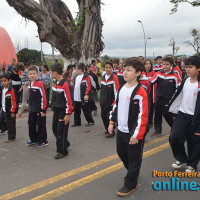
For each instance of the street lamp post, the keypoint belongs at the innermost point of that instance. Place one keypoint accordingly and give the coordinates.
(145, 48)
(172, 43)
(145, 40)
(41, 50)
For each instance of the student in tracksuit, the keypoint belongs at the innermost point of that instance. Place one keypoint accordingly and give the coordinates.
(109, 87)
(175, 67)
(62, 107)
(167, 82)
(186, 103)
(158, 66)
(149, 73)
(37, 110)
(131, 112)
(94, 89)
(82, 89)
(9, 108)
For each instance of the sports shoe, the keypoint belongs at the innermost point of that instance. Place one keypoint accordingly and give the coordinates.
(30, 143)
(156, 134)
(123, 192)
(190, 169)
(42, 144)
(74, 125)
(89, 124)
(60, 156)
(110, 135)
(4, 132)
(9, 140)
(177, 165)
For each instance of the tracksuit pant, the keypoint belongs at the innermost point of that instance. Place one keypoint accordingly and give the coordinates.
(105, 112)
(131, 156)
(161, 110)
(60, 131)
(77, 113)
(8, 123)
(37, 127)
(183, 131)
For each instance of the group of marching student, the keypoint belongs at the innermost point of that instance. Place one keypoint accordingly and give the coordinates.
(130, 92)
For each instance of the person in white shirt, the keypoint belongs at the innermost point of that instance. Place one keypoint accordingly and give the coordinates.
(131, 112)
(186, 104)
(82, 87)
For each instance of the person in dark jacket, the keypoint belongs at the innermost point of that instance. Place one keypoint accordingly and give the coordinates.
(130, 112)
(82, 89)
(167, 82)
(9, 108)
(109, 87)
(186, 104)
(62, 107)
(94, 89)
(37, 110)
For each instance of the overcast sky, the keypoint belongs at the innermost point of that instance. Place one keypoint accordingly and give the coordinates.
(123, 35)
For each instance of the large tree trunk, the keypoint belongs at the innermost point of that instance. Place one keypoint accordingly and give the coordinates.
(77, 39)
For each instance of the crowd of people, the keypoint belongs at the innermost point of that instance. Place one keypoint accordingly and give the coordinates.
(141, 91)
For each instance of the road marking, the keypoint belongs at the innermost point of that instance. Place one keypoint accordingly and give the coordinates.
(69, 187)
(67, 174)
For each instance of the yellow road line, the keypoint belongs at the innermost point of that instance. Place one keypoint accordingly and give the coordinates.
(69, 187)
(67, 174)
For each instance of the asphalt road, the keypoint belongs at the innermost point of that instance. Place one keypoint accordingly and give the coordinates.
(92, 170)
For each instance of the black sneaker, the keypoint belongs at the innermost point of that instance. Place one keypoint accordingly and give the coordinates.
(89, 124)
(74, 125)
(156, 134)
(123, 192)
(110, 135)
(60, 156)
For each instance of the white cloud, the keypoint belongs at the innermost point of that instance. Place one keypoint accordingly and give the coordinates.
(122, 33)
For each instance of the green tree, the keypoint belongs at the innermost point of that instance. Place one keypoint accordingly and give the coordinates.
(176, 3)
(29, 55)
(195, 42)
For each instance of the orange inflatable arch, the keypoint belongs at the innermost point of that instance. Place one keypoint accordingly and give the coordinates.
(7, 50)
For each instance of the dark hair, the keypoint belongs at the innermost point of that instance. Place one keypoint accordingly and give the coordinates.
(70, 67)
(66, 74)
(193, 60)
(150, 63)
(169, 59)
(57, 67)
(13, 59)
(33, 67)
(158, 57)
(136, 64)
(98, 60)
(115, 61)
(6, 76)
(20, 66)
(93, 61)
(109, 63)
(81, 66)
(46, 67)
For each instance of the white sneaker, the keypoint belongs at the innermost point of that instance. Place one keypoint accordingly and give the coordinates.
(177, 165)
(190, 169)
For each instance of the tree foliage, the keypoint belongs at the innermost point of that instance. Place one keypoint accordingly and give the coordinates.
(78, 39)
(195, 42)
(29, 55)
(176, 3)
